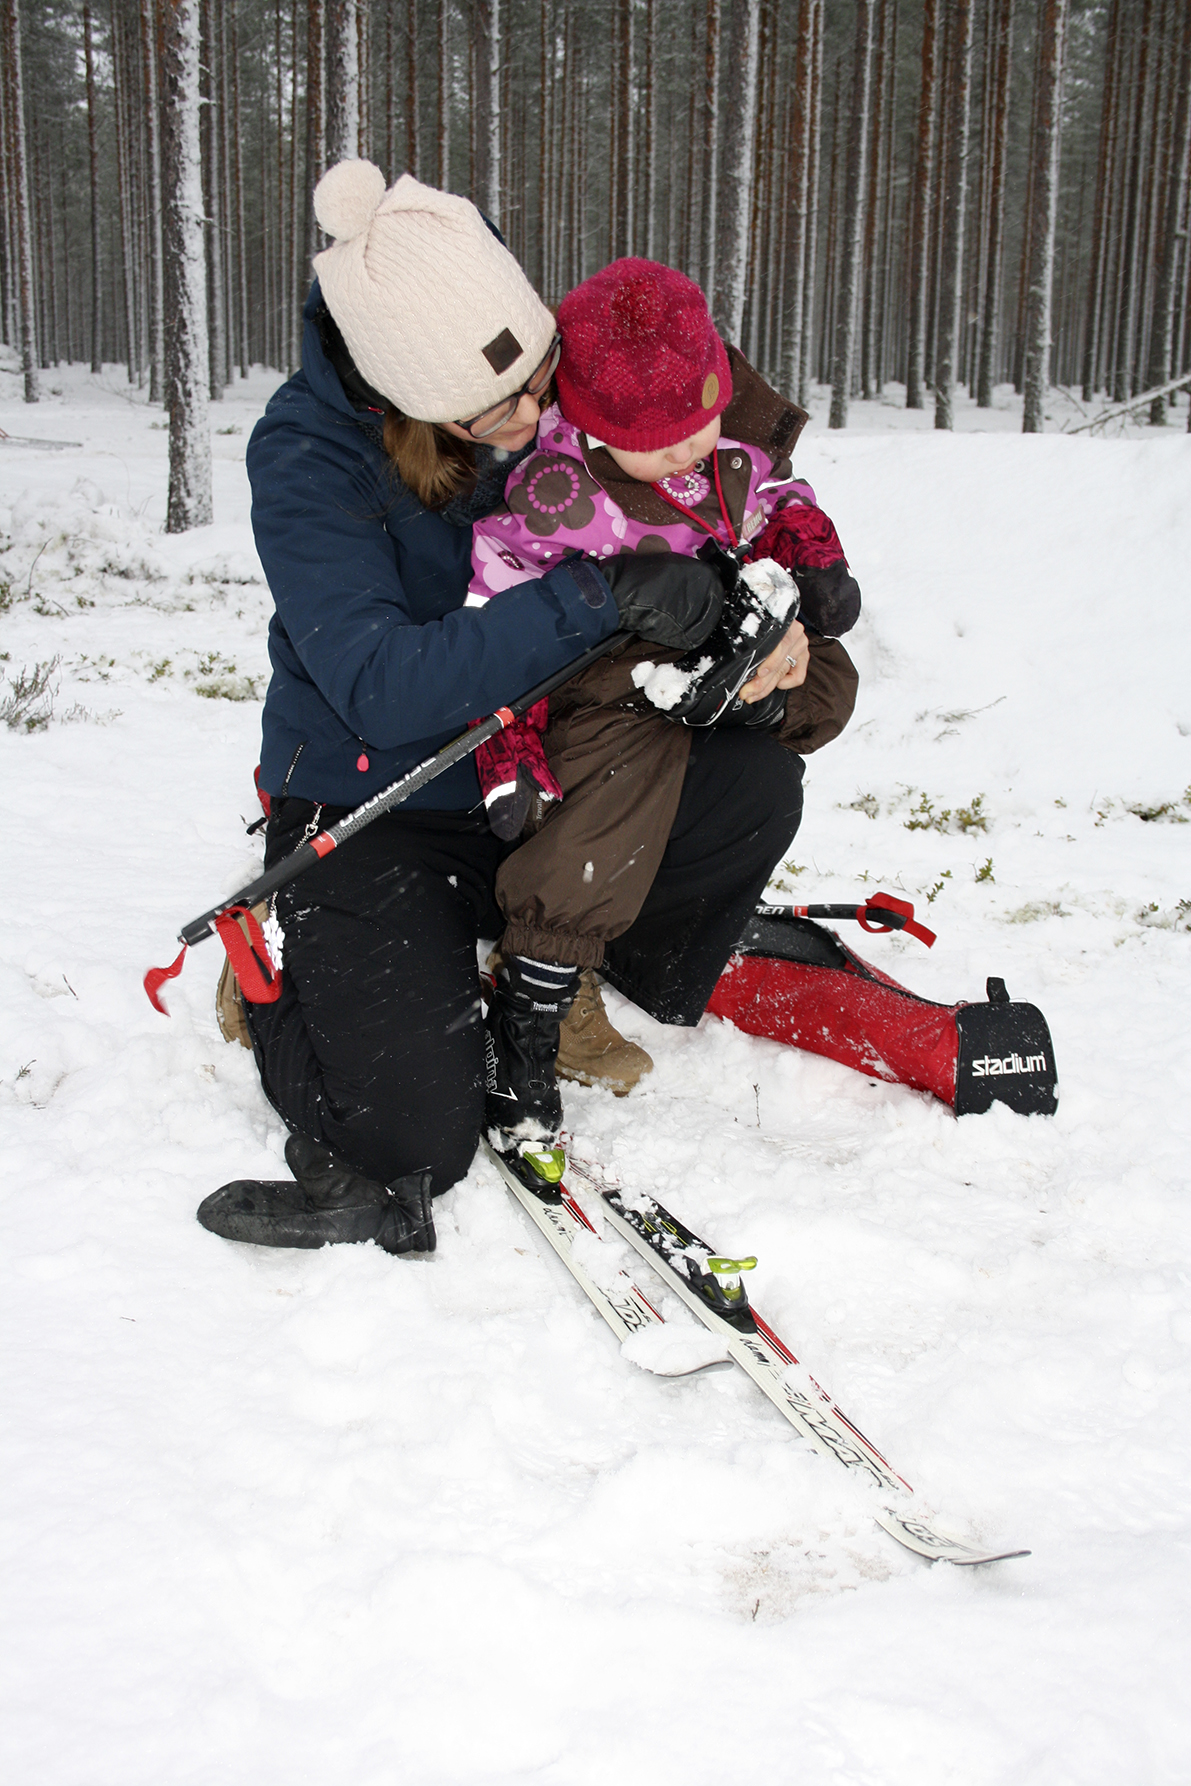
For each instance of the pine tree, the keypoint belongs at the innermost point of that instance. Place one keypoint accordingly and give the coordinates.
(925, 175)
(1052, 28)
(853, 220)
(186, 358)
(343, 82)
(953, 193)
(1174, 234)
(14, 107)
(736, 180)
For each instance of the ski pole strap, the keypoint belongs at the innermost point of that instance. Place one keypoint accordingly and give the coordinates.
(889, 913)
(157, 976)
(242, 937)
(898, 914)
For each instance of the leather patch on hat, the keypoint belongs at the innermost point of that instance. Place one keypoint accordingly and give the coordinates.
(501, 352)
(711, 390)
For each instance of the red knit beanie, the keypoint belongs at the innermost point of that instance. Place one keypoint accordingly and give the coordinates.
(642, 366)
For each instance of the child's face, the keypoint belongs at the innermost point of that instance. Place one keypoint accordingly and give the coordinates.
(667, 462)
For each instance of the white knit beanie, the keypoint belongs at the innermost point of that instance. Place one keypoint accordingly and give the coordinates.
(436, 313)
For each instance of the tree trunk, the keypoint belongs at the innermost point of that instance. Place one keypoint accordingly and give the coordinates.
(124, 189)
(486, 29)
(1162, 337)
(797, 190)
(998, 154)
(296, 221)
(736, 182)
(444, 95)
(649, 117)
(186, 369)
(811, 267)
(620, 132)
(148, 12)
(1052, 28)
(1131, 271)
(870, 378)
(364, 82)
(316, 117)
(413, 117)
(1105, 163)
(953, 193)
(93, 163)
(924, 204)
(849, 279)
(343, 82)
(711, 145)
(212, 208)
(19, 195)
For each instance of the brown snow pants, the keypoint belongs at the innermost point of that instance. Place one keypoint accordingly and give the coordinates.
(581, 877)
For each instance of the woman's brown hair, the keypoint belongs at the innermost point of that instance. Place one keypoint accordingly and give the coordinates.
(431, 463)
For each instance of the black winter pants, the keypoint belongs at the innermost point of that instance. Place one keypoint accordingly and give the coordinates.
(375, 1047)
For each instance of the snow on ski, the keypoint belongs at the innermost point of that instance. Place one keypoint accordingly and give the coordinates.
(561, 1220)
(710, 1286)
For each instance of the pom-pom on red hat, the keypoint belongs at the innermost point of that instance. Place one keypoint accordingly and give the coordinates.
(642, 366)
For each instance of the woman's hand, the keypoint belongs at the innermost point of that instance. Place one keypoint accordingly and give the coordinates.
(785, 667)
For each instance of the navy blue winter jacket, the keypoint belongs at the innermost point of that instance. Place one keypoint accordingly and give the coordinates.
(376, 663)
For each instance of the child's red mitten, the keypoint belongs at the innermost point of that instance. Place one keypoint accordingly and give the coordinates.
(804, 542)
(512, 768)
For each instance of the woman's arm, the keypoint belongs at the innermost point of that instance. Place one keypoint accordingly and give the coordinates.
(392, 652)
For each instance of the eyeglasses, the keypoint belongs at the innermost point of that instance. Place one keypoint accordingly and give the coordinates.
(494, 419)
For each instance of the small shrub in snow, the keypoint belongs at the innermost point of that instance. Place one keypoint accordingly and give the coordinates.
(29, 704)
(1170, 812)
(229, 688)
(1036, 909)
(868, 804)
(985, 871)
(1176, 918)
(923, 817)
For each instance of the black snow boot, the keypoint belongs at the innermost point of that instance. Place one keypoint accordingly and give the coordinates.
(329, 1204)
(520, 1048)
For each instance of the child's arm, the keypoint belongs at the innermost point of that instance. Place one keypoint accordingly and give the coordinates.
(503, 551)
(803, 540)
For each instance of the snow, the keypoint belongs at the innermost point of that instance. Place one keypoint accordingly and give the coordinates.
(666, 684)
(333, 1517)
(774, 588)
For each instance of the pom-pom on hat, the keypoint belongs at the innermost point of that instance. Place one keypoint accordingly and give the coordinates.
(642, 366)
(436, 312)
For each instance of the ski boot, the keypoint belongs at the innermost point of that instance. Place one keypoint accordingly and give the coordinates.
(523, 1109)
(327, 1204)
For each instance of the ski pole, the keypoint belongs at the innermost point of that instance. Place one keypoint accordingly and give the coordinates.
(307, 854)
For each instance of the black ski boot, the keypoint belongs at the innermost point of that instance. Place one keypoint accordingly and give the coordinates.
(525, 1013)
(329, 1204)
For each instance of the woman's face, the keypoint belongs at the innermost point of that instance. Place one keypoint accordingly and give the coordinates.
(517, 432)
(671, 461)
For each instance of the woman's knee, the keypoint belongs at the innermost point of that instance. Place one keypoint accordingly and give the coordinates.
(752, 783)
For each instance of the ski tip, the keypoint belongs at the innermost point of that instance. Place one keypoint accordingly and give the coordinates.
(919, 1536)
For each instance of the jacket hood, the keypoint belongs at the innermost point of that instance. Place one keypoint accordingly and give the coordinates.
(320, 374)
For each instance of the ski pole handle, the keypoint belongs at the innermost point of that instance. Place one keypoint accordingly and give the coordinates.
(307, 854)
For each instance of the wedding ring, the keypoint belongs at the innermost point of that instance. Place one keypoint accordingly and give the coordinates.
(793, 662)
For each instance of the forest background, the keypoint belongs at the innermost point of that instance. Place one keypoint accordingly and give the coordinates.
(928, 192)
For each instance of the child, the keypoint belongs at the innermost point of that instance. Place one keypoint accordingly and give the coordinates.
(661, 439)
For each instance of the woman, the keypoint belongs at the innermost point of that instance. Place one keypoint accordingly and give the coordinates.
(426, 356)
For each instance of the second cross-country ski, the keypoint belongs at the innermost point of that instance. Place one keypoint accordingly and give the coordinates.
(711, 1286)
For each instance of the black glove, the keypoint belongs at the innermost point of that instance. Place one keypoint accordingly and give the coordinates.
(664, 598)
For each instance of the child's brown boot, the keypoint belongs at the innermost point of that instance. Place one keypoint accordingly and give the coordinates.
(591, 1052)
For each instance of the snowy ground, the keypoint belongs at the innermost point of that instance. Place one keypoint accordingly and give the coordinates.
(333, 1518)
